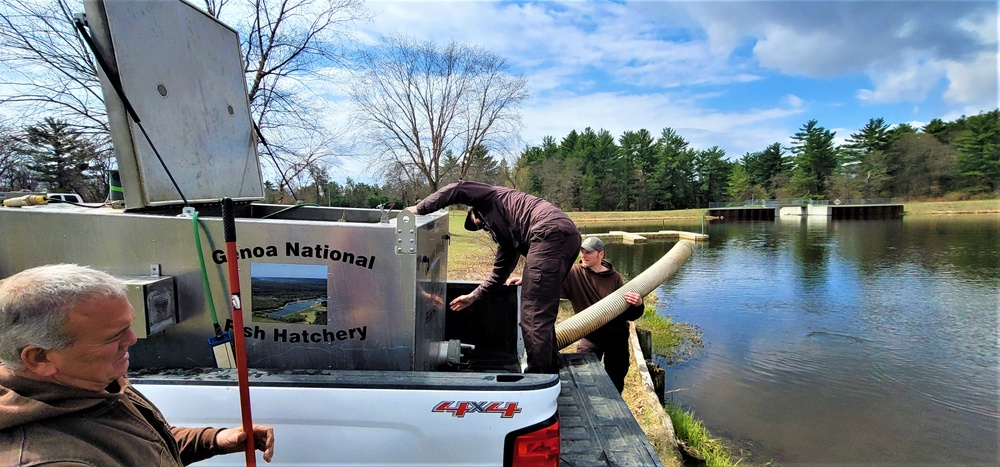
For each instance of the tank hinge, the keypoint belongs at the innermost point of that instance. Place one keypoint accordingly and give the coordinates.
(406, 233)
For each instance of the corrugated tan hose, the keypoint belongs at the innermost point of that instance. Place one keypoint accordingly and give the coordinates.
(608, 308)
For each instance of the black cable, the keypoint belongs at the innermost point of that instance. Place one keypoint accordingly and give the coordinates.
(117, 85)
(57, 200)
(273, 159)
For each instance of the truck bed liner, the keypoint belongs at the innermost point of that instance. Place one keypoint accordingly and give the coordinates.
(596, 425)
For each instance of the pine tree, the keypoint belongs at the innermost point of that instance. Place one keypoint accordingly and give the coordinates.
(765, 166)
(978, 155)
(637, 154)
(874, 136)
(59, 155)
(674, 172)
(816, 159)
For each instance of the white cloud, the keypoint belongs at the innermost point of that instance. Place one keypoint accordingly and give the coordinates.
(737, 132)
(904, 48)
(615, 40)
(974, 82)
(626, 66)
(910, 83)
(815, 53)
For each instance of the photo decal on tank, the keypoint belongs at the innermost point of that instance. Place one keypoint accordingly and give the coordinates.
(288, 293)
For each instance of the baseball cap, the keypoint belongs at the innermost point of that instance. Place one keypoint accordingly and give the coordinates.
(592, 244)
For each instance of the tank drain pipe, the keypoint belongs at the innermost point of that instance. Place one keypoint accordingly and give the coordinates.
(609, 307)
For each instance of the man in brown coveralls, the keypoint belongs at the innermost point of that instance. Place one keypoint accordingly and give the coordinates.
(520, 224)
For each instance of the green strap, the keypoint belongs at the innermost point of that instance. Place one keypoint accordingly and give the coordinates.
(204, 275)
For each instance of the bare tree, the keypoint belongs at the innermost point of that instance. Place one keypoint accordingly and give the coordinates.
(309, 165)
(284, 42)
(46, 68)
(419, 100)
(13, 163)
(214, 7)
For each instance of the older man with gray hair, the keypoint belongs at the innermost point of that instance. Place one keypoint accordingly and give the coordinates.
(65, 331)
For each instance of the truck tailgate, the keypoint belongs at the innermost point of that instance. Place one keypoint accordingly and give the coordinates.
(597, 427)
(362, 417)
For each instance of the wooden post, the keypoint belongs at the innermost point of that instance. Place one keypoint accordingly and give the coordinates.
(645, 342)
(659, 379)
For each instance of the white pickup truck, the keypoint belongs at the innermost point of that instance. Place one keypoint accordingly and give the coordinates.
(371, 373)
(377, 381)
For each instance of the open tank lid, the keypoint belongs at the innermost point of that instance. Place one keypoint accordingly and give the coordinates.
(182, 72)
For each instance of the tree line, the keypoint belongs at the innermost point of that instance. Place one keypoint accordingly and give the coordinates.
(591, 170)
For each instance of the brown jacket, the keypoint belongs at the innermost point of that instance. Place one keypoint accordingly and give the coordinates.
(583, 287)
(511, 217)
(44, 423)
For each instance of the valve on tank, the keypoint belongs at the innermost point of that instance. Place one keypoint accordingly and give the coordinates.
(450, 353)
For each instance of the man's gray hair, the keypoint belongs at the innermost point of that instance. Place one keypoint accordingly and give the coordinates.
(35, 305)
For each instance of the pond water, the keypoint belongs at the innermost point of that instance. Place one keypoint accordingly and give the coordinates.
(840, 342)
(297, 306)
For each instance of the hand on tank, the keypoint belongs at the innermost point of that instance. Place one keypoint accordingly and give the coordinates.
(516, 280)
(462, 302)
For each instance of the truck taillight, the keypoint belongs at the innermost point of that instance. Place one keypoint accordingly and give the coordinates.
(534, 446)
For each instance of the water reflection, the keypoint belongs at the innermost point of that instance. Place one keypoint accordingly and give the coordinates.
(841, 342)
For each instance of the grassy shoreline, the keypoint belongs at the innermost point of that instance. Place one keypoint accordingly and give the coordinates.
(922, 208)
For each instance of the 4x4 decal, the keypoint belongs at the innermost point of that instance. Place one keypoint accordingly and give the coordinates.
(460, 408)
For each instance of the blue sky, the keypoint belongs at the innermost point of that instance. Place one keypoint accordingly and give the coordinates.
(738, 75)
(303, 271)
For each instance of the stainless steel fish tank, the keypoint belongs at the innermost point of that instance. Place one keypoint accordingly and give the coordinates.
(322, 287)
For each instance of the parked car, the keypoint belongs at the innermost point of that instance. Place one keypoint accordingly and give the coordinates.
(65, 197)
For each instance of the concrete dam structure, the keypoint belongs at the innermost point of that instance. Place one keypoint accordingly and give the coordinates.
(769, 210)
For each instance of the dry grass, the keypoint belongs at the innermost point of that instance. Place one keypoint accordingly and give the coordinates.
(470, 254)
(986, 206)
(634, 216)
(648, 411)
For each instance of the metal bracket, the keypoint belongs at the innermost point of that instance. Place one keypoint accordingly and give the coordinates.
(406, 233)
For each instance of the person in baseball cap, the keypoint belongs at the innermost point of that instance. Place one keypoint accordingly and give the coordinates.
(592, 244)
(589, 281)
